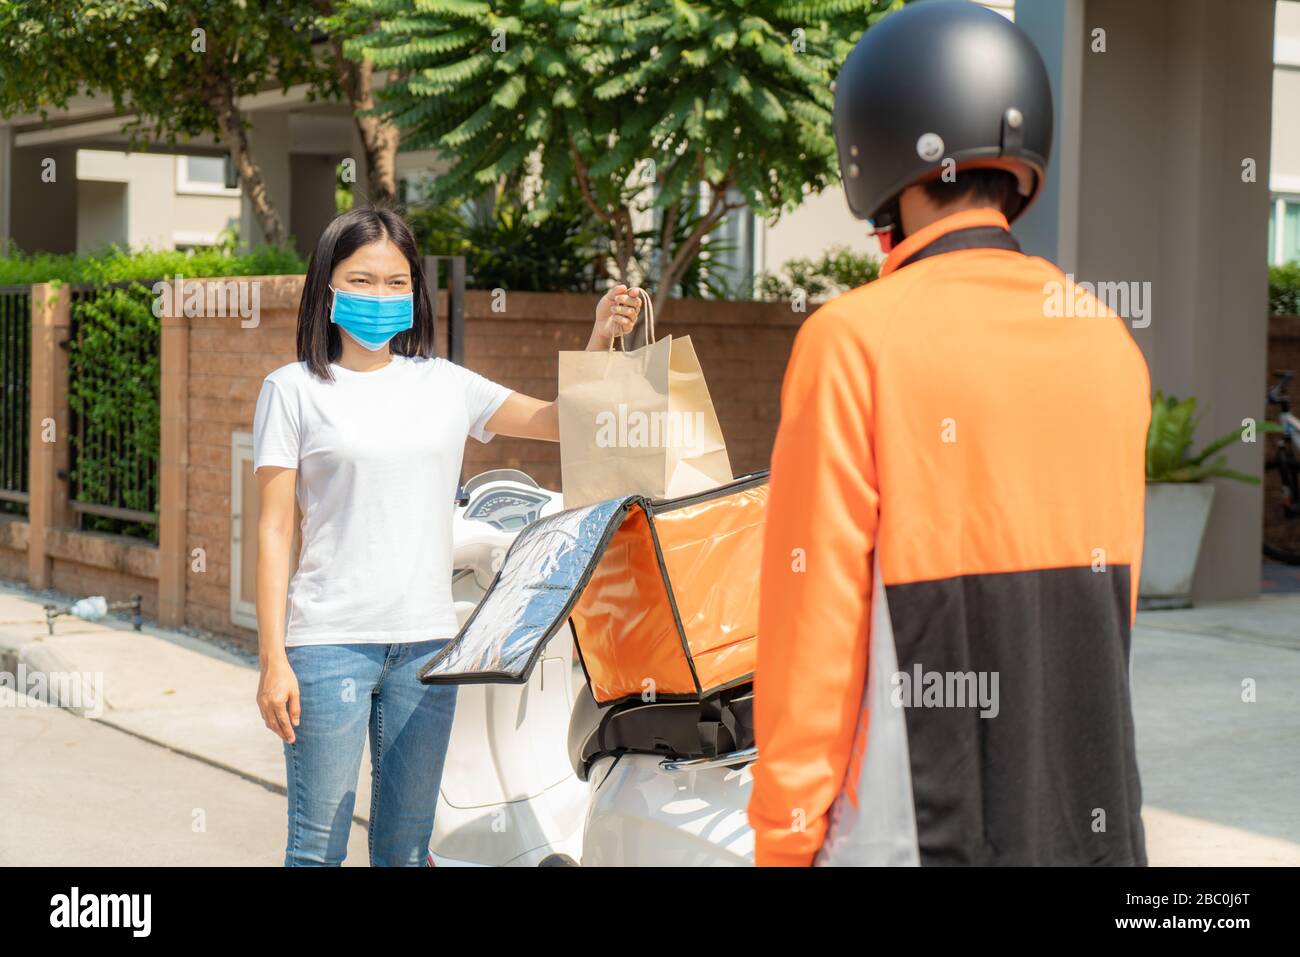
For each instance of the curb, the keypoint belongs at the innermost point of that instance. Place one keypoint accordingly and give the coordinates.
(72, 690)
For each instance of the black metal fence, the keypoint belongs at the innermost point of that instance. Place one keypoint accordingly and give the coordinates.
(114, 378)
(15, 395)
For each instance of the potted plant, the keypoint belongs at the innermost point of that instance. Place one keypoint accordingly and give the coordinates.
(1178, 500)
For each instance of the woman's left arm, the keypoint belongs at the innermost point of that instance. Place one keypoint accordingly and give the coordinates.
(525, 417)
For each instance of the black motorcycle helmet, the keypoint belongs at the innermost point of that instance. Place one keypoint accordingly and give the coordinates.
(939, 80)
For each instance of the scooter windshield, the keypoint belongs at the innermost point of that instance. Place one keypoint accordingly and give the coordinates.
(539, 581)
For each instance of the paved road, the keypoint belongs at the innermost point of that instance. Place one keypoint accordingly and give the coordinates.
(74, 792)
(1216, 700)
(1216, 705)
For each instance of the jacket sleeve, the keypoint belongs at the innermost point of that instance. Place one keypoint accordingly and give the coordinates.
(814, 608)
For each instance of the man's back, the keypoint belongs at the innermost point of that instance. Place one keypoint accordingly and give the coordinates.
(987, 457)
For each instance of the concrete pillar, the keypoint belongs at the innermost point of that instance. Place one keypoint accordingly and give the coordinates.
(313, 198)
(173, 468)
(1179, 99)
(1049, 228)
(269, 141)
(50, 442)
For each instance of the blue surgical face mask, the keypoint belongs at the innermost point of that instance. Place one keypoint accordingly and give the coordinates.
(372, 320)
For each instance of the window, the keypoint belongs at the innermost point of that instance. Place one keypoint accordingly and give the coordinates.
(205, 174)
(733, 250)
(1284, 230)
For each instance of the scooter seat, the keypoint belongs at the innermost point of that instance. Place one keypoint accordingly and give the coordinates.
(721, 723)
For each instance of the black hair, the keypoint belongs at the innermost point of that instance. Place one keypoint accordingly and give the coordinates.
(996, 187)
(319, 343)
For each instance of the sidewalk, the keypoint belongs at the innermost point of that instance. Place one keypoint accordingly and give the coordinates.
(1220, 776)
(1220, 772)
(168, 688)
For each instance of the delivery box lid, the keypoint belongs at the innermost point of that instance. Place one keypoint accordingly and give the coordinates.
(540, 581)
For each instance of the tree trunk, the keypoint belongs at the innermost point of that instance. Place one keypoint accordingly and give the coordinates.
(234, 134)
(619, 221)
(671, 269)
(379, 137)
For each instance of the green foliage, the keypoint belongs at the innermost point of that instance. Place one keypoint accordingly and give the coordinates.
(343, 195)
(1169, 443)
(504, 250)
(113, 391)
(148, 55)
(176, 68)
(621, 97)
(117, 265)
(838, 270)
(705, 276)
(1284, 289)
(563, 253)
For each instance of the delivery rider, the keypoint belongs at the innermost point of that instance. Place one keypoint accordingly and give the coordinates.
(950, 566)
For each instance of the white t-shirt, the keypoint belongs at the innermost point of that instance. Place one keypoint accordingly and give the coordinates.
(378, 456)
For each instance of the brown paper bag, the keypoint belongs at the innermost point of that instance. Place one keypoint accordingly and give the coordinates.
(638, 422)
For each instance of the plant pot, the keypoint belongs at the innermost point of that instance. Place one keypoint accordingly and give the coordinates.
(1176, 514)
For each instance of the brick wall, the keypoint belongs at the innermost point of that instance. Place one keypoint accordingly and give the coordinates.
(742, 347)
(226, 366)
(13, 548)
(97, 563)
(212, 373)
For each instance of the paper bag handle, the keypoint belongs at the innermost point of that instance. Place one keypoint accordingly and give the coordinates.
(649, 323)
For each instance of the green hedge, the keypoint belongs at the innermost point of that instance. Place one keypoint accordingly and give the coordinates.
(113, 389)
(116, 265)
(1284, 289)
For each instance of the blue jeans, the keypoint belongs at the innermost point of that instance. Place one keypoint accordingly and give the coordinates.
(347, 689)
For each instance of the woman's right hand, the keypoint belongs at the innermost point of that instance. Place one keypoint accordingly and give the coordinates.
(277, 697)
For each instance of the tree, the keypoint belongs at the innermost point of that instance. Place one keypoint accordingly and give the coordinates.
(642, 103)
(379, 137)
(181, 67)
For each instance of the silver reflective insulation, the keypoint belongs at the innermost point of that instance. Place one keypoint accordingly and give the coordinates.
(530, 600)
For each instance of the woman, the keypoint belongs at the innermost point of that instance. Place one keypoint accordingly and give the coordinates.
(366, 433)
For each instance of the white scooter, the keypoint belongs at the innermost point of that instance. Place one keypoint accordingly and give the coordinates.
(508, 795)
(652, 810)
(620, 793)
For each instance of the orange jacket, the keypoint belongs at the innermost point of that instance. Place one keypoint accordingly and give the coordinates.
(989, 460)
